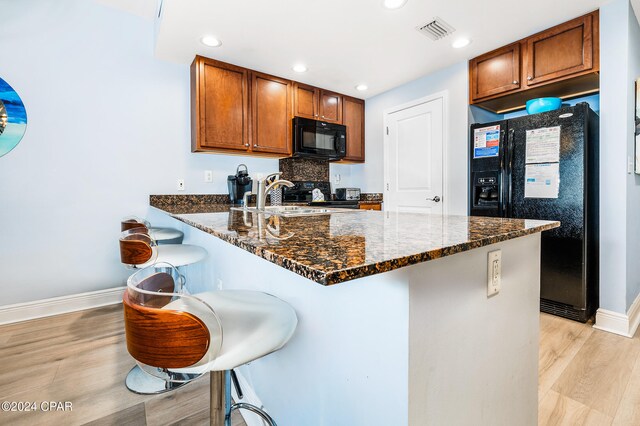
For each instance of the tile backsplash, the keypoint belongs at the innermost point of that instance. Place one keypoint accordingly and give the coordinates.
(305, 169)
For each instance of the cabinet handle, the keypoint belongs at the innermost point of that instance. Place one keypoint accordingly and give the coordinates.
(255, 145)
(323, 116)
(515, 81)
(529, 78)
(246, 144)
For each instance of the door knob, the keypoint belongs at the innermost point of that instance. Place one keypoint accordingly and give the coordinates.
(436, 199)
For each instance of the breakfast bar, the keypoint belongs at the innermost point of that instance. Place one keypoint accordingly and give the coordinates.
(395, 324)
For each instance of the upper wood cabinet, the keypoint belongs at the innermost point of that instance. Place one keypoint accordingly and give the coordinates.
(565, 50)
(270, 114)
(318, 104)
(305, 101)
(562, 61)
(496, 72)
(220, 106)
(330, 107)
(353, 118)
(240, 111)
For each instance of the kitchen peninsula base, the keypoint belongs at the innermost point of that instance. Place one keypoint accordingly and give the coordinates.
(419, 345)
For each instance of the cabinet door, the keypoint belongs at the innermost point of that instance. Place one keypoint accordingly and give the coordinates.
(353, 118)
(305, 101)
(271, 114)
(221, 116)
(561, 51)
(330, 107)
(496, 72)
(371, 206)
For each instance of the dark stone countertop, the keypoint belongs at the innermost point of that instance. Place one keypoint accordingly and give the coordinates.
(338, 247)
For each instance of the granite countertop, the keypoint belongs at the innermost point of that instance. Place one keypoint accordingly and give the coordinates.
(338, 247)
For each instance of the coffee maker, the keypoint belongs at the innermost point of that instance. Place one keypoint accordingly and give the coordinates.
(238, 184)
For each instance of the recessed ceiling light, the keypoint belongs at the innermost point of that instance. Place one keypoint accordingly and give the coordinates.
(361, 87)
(460, 43)
(393, 4)
(300, 68)
(211, 41)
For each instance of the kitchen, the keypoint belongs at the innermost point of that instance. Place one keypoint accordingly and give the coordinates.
(77, 188)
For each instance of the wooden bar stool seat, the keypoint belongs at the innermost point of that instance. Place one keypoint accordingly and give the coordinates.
(160, 235)
(138, 249)
(171, 333)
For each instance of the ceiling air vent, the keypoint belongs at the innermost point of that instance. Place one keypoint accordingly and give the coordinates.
(436, 29)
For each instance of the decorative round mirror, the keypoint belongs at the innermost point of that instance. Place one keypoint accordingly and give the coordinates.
(13, 118)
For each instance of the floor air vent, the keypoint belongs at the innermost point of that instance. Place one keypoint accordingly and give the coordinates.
(436, 29)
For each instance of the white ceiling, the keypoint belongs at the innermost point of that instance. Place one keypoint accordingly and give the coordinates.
(348, 42)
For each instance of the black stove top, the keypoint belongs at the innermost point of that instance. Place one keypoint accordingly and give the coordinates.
(301, 193)
(349, 204)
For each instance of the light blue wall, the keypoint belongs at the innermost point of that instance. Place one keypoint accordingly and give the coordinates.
(633, 180)
(617, 38)
(453, 79)
(108, 125)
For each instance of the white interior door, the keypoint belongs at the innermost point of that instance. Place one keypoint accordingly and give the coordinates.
(413, 158)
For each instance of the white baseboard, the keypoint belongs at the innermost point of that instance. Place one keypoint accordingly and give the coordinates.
(59, 305)
(622, 324)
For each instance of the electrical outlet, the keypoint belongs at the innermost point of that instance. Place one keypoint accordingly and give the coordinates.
(219, 283)
(337, 178)
(180, 184)
(208, 176)
(630, 165)
(494, 272)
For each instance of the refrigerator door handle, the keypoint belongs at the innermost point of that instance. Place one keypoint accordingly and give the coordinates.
(510, 171)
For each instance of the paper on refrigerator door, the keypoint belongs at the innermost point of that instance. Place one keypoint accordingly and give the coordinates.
(486, 142)
(542, 180)
(543, 145)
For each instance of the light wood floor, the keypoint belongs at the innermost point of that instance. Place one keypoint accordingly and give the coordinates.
(587, 377)
(82, 358)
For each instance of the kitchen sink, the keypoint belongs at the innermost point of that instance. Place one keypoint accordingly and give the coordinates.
(293, 210)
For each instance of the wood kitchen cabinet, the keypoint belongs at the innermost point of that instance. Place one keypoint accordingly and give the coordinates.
(353, 119)
(236, 110)
(495, 73)
(563, 61)
(270, 114)
(305, 100)
(318, 104)
(562, 51)
(330, 107)
(220, 106)
(371, 206)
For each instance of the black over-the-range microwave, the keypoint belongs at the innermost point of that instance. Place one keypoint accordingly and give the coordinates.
(319, 139)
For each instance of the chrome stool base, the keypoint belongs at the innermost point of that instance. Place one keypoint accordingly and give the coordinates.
(142, 383)
(220, 404)
(253, 409)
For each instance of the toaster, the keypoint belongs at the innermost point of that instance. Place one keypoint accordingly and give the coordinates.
(348, 194)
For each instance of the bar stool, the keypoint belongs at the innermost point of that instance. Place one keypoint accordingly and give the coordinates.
(160, 235)
(139, 250)
(170, 333)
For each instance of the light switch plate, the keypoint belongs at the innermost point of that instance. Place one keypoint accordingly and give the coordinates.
(494, 272)
(208, 176)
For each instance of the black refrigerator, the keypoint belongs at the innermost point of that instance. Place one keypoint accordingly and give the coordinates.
(545, 166)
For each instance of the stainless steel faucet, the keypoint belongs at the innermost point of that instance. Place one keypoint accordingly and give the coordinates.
(265, 185)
